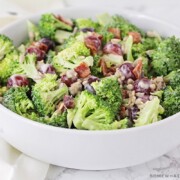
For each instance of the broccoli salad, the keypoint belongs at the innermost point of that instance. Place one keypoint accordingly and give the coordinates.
(93, 75)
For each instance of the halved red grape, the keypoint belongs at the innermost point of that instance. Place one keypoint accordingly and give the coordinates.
(142, 85)
(17, 80)
(87, 29)
(89, 88)
(47, 69)
(68, 102)
(126, 70)
(48, 42)
(92, 79)
(41, 46)
(132, 113)
(93, 43)
(145, 98)
(41, 55)
(112, 48)
(68, 81)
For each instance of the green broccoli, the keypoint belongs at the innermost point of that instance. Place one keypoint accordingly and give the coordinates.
(33, 32)
(49, 24)
(109, 90)
(171, 100)
(86, 23)
(138, 50)
(77, 37)
(96, 69)
(28, 68)
(17, 100)
(47, 93)
(8, 65)
(69, 57)
(166, 58)
(93, 125)
(117, 21)
(89, 107)
(62, 35)
(2, 90)
(58, 119)
(150, 43)
(173, 78)
(49, 57)
(112, 59)
(125, 26)
(150, 113)
(6, 46)
(106, 35)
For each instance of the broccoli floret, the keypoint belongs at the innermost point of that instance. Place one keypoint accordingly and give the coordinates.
(57, 119)
(89, 107)
(173, 78)
(108, 89)
(78, 37)
(150, 113)
(150, 43)
(118, 22)
(6, 46)
(166, 57)
(8, 65)
(96, 69)
(2, 90)
(113, 59)
(28, 68)
(61, 35)
(93, 125)
(125, 26)
(86, 23)
(17, 100)
(171, 100)
(49, 24)
(106, 35)
(33, 32)
(69, 57)
(138, 50)
(50, 56)
(47, 93)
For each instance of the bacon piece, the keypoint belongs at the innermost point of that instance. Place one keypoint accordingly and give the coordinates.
(123, 111)
(116, 32)
(105, 70)
(137, 71)
(136, 37)
(83, 70)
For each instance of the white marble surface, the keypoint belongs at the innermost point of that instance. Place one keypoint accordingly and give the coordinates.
(165, 167)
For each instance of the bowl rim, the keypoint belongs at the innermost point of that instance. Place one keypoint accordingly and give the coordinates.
(89, 132)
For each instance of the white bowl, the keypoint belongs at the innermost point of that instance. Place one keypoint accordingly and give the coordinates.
(90, 150)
